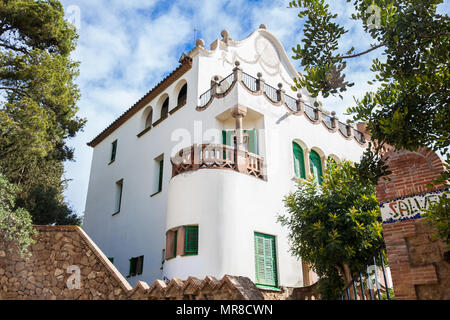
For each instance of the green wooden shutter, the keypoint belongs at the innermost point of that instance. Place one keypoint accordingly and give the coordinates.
(113, 151)
(119, 200)
(259, 259)
(139, 264)
(191, 241)
(161, 168)
(226, 137)
(175, 240)
(252, 141)
(132, 271)
(299, 162)
(315, 165)
(265, 260)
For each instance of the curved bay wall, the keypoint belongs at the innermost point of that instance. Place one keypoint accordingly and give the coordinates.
(228, 207)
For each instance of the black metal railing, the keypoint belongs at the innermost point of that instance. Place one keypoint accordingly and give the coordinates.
(327, 120)
(309, 111)
(291, 102)
(373, 282)
(204, 98)
(274, 95)
(250, 82)
(227, 82)
(343, 129)
(271, 92)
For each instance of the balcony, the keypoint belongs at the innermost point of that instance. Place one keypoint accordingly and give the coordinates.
(278, 97)
(217, 156)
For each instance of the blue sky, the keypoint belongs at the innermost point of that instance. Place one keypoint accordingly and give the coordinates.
(127, 46)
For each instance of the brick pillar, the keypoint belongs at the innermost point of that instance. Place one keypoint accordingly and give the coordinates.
(416, 257)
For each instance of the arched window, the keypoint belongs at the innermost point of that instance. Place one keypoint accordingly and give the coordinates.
(299, 161)
(182, 95)
(315, 165)
(165, 108)
(148, 119)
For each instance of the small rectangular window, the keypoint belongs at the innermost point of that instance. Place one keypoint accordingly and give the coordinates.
(175, 240)
(113, 151)
(158, 174)
(119, 190)
(191, 240)
(136, 266)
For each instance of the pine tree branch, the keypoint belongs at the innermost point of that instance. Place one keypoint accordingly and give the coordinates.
(4, 45)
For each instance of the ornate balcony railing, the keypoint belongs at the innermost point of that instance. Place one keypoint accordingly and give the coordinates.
(277, 97)
(250, 82)
(271, 93)
(309, 111)
(215, 156)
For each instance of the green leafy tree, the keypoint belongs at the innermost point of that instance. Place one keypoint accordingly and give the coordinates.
(438, 214)
(334, 227)
(38, 106)
(410, 107)
(16, 228)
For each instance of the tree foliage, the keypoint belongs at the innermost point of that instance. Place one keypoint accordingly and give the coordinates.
(334, 227)
(38, 104)
(410, 108)
(16, 228)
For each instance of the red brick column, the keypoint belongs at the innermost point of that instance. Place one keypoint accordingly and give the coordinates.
(415, 257)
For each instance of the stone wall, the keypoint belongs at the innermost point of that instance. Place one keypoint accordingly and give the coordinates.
(305, 293)
(47, 273)
(66, 264)
(416, 257)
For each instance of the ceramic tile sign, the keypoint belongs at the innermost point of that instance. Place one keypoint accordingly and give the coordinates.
(407, 208)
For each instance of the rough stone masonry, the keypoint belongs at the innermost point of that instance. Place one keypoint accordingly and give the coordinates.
(66, 264)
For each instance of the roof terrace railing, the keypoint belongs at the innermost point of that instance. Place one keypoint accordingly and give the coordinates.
(277, 96)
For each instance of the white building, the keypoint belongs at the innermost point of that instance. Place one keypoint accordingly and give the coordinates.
(210, 209)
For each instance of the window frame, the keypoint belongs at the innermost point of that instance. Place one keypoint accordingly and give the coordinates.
(136, 266)
(158, 175)
(265, 283)
(119, 195)
(113, 151)
(188, 230)
(315, 161)
(182, 101)
(299, 164)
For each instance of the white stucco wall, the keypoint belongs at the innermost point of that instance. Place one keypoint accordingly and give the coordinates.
(228, 206)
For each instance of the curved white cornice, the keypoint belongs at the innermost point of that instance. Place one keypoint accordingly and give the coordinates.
(230, 43)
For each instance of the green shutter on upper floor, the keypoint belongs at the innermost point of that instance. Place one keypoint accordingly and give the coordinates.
(299, 162)
(252, 141)
(226, 137)
(161, 168)
(113, 151)
(315, 165)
